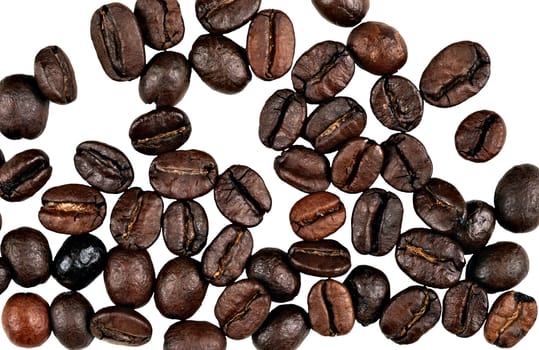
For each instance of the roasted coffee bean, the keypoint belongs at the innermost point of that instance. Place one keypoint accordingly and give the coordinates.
(282, 119)
(516, 198)
(185, 227)
(407, 165)
(499, 266)
(28, 255)
(317, 215)
(24, 174)
(242, 196)
(271, 43)
(121, 325)
(220, 63)
(223, 16)
(160, 22)
(334, 122)
(378, 48)
(480, 136)
(118, 41)
(5, 274)
(331, 311)
(270, 266)
(511, 317)
(303, 168)
(135, 220)
(194, 335)
(397, 103)
(165, 79)
(26, 321)
(70, 314)
(370, 292)
(225, 257)
(72, 209)
(55, 75)
(410, 314)
(478, 226)
(456, 73)
(430, 258)
(103, 166)
(242, 307)
(465, 308)
(79, 261)
(286, 328)
(342, 13)
(376, 222)
(24, 110)
(324, 258)
(183, 174)
(180, 288)
(323, 71)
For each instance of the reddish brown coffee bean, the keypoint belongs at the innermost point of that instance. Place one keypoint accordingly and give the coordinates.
(323, 258)
(185, 227)
(223, 16)
(480, 136)
(121, 326)
(342, 13)
(55, 75)
(194, 335)
(331, 311)
(160, 22)
(465, 308)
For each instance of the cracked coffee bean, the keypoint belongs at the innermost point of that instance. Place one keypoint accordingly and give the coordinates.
(160, 22)
(465, 308)
(121, 326)
(323, 258)
(55, 75)
(185, 227)
(480, 136)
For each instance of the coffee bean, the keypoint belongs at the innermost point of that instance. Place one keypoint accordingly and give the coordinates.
(456, 73)
(120, 325)
(70, 314)
(286, 327)
(480, 136)
(223, 16)
(160, 22)
(194, 335)
(185, 227)
(5, 274)
(55, 75)
(478, 226)
(344, 14)
(465, 308)
(324, 258)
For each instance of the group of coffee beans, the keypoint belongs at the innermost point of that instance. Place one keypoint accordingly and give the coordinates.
(433, 257)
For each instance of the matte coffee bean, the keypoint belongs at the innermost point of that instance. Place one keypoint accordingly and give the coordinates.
(160, 22)
(5, 274)
(194, 335)
(465, 309)
(185, 227)
(480, 136)
(456, 73)
(120, 325)
(323, 71)
(478, 226)
(223, 16)
(55, 75)
(331, 312)
(342, 13)
(324, 258)
(286, 328)
(70, 314)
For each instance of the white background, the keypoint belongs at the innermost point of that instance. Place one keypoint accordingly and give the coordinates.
(226, 127)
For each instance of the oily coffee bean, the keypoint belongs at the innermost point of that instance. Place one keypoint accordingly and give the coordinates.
(334, 122)
(242, 196)
(376, 222)
(377, 47)
(342, 13)
(456, 73)
(5, 274)
(185, 227)
(330, 307)
(24, 110)
(303, 168)
(242, 307)
(24, 174)
(397, 103)
(511, 317)
(55, 75)
(410, 314)
(220, 63)
(72, 209)
(317, 215)
(223, 16)
(407, 165)
(28, 255)
(286, 328)
(225, 257)
(121, 325)
(135, 220)
(160, 22)
(430, 258)
(477, 228)
(370, 292)
(499, 266)
(26, 321)
(323, 258)
(103, 166)
(465, 308)
(480, 136)
(194, 335)
(70, 314)
(271, 43)
(323, 71)
(183, 174)
(516, 198)
(118, 41)
(281, 119)
(79, 261)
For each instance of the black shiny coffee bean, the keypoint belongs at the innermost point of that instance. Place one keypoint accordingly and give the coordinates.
(330, 307)
(5, 274)
(160, 22)
(323, 258)
(465, 308)
(286, 328)
(55, 75)
(70, 314)
(121, 326)
(194, 335)
(478, 226)
(480, 136)
(185, 227)
(342, 13)
(223, 16)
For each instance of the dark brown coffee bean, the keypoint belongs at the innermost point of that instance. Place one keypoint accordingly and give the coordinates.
(324, 258)
(317, 215)
(465, 308)
(410, 314)
(24, 174)
(323, 71)
(5, 274)
(118, 41)
(480, 136)
(160, 22)
(242, 307)
(376, 222)
(70, 319)
(55, 75)
(342, 13)
(331, 311)
(242, 196)
(223, 16)
(194, 335)
(286, 328)
(456, 73)
(478, 226)
(185, 227)
(121, 325)
(103, 166)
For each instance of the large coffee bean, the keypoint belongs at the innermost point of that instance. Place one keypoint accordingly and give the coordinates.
(323, 258)
(160, 22)
(70, 314)
(465, 308)
(120, 325)
(55, 75)
(285, 328)
(185, 227)
(223, 16)
(194, 335)
(480, 136)
(331, 311)
(342, 13)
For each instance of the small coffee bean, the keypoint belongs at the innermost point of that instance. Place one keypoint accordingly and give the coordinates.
(465, 308)
(121, 325)
(223, 16)
(323, 258)
(478, 226)
(55, 75)
(5, 274)
(185, 227)
(286, 327)
(70, 314)
(480, 136)
(342, 13)
(160, 22)
(194, 335)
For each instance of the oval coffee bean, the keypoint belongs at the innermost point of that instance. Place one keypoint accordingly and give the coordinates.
(161, 23)
(194, 335)
(223, 16)
(480, 136)
(185, 227)
(285, 328)
(478, 226)
(5, 274)
(465, 308)
(342, 13)
(330, 307)
(55, 75)
(70, 314)
(324, 258)
(120, 325)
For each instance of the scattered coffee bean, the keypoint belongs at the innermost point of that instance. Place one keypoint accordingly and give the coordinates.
(70, 314)
(344, 14)
(160, 22)
(223, 16)
(55, 75)
(480, 136)
(5, 274)
(465, 308)
(478, 226)
(121, 325)
(194, 335)
(330, 307)
(185, 227)
(323, 258)
(285, 328)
